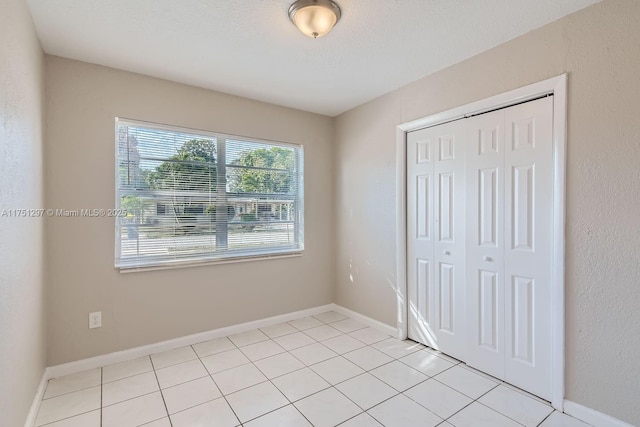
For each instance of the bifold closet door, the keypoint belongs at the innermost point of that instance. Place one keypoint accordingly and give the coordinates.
(509, 185)
(479, 228)
(420, 237)
(436, 208)
(485, 243)
(528, 245)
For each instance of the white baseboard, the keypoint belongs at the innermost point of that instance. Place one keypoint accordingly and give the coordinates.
(591, 416)
(35, 405)
(375, 324)
(145, 350)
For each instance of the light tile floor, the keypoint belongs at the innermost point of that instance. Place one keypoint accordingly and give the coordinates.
(324, 370)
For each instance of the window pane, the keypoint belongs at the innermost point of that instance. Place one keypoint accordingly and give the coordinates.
(253, 168)
(183, 206)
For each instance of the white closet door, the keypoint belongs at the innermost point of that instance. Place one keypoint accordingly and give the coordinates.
(479, 211)
(435, 237)
(485, 243)
(420, 154)
(449, 248)
(528, 231)
(420, 236)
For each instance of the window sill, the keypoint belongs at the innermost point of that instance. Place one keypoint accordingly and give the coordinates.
(199, 263)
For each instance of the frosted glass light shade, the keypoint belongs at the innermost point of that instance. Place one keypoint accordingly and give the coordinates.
(314, 18)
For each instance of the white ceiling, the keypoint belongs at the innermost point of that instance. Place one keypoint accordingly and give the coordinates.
(250, 48)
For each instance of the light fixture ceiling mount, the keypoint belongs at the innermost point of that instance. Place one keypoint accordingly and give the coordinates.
(314, 18)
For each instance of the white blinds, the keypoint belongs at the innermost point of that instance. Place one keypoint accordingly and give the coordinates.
(192, 196)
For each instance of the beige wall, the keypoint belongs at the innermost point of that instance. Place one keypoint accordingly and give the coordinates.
(600, 49)
(22, 292)
(146, 307)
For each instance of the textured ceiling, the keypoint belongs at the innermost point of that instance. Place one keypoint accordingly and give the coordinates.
(250, 48)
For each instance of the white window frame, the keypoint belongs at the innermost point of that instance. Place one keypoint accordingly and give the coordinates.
(231, 256)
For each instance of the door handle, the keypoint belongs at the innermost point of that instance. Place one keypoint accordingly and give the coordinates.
(447, 253)
(487, 258)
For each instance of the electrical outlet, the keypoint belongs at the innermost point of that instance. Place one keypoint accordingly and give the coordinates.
(95, 320)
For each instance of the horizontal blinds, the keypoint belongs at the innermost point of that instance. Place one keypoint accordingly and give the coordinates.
(192, 197)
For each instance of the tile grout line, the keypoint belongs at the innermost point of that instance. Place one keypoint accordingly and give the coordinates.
(363, 373)
(216, 384)
(75, 415)
(402, 392)
(455, 389)
(410, 367)
(545, 418)
(459, 410)
(164, 367)
(292, 403)
(66, 418)
(305, 366)
(244, 364)
(69, 392)
(472, 401)
(365, 411)
(408, 397)
(495, 410)
(160, 390)
(488, 407)
(522, 393)
(525, 393)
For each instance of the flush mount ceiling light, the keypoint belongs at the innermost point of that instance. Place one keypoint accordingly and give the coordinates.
(314, 18)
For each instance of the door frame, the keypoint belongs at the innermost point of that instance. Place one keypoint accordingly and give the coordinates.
(556, 86)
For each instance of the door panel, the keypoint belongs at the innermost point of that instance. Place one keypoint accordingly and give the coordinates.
(423, 200)
(423, 285)
(522, 319)
(488, 310)
(447, 294)
(488, 207)
(522, 208)
(447, 142)
(445, 202)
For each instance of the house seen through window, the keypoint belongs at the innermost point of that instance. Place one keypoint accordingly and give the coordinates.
(192, 196)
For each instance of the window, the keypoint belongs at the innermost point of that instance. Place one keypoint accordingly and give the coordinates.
(191, 196)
